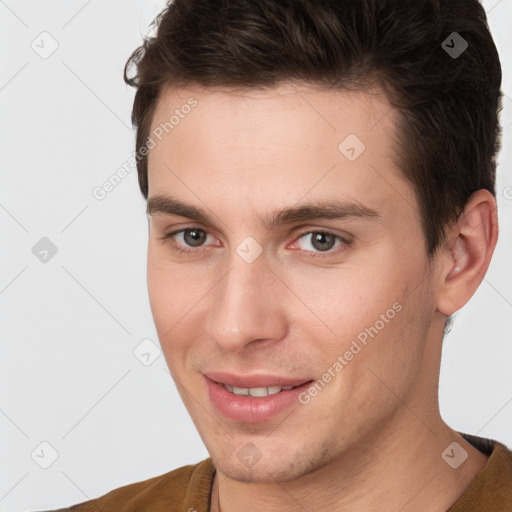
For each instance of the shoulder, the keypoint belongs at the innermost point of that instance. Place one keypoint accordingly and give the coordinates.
(491, 490)
(169, 492)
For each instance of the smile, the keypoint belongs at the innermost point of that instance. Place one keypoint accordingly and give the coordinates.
(257, 392)
(261, 402)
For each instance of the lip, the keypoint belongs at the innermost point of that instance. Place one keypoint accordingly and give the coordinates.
(253, 381)
(247, 409)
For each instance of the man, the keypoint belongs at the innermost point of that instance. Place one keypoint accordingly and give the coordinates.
(320, 185)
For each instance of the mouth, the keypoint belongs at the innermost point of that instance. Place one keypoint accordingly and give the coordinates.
(253, 399)
(232, 381)
(257, 392)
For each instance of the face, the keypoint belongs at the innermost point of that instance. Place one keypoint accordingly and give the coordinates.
(285, 249)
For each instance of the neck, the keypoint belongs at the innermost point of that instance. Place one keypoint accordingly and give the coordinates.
(400, 469)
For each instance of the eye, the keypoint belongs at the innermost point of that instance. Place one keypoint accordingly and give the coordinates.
(191, 241)
(322, 242)
(193, 237)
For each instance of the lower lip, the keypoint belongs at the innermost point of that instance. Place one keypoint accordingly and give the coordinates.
(252, 409)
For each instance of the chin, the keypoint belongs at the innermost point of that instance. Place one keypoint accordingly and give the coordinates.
(275, 469)
(257, 474)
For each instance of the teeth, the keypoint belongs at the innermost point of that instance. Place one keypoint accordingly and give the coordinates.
(257, 392)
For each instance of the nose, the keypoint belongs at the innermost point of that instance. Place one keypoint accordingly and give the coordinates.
(248, 306)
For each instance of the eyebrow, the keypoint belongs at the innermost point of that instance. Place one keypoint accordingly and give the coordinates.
(332, 210)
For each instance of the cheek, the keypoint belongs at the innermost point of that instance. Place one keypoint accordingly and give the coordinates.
(158, 289)
(375, 311)
(347, 299)
(178, 303)
(395, 354)
(168, 296)
(168, 316)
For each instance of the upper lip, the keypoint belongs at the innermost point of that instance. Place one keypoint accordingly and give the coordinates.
(254, 381)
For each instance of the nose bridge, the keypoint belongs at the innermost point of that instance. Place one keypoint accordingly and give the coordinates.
(246, 305)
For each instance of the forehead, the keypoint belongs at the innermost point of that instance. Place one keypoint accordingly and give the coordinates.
(234, 113)
(276, 146)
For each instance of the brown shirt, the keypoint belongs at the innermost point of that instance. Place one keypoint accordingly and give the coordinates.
(188, 489)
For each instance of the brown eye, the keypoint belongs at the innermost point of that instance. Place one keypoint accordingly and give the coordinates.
(194, 237)
(189, 241)
(322, 244)
(319, 241)
(323, 241)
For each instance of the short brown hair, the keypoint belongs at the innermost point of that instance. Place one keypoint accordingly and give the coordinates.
(448, 134)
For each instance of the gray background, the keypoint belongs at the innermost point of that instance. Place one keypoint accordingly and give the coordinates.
(72, 325)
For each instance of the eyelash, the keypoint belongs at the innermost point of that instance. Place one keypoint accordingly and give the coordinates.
(168, 238)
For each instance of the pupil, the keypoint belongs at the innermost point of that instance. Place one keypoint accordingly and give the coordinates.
(320, 239)
(194, 237)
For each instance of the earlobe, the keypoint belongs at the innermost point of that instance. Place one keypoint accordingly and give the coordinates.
(468, 254)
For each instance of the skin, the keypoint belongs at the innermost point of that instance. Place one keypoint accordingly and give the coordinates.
(372, 439)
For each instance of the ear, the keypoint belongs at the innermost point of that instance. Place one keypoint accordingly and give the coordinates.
(466, 255)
